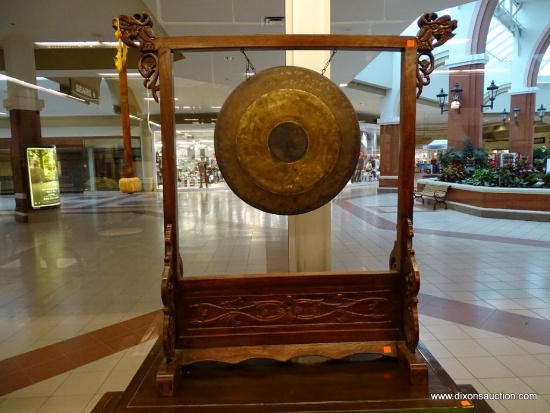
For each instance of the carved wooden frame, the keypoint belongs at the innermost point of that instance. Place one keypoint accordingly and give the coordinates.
(281, 316)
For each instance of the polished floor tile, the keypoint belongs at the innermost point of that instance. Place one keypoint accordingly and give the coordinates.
(80, 297)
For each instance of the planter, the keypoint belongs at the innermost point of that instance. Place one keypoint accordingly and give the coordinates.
(510, 203)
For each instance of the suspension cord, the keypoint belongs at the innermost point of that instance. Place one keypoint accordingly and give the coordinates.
(249, 66)
(328, 62)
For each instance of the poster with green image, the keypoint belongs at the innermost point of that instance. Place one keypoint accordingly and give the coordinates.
(43, 176)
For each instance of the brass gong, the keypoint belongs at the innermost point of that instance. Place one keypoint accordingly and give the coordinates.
(287, 140)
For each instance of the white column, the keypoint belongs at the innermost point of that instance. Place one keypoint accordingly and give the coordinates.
(20, 64)
(24, 106)
(309, 235)
(147, 156)
(91, 168)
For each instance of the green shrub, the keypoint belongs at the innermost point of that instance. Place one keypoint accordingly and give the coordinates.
(541, 152)
(469, 156)
(453, 174)
(483, 177)
(473, 155)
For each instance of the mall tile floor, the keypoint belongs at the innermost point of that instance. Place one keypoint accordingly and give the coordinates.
(80, 296)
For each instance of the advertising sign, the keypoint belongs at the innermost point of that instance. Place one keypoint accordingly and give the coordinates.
(43, 176)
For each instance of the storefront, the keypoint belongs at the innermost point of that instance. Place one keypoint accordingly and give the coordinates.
(85, 164)
(370, 140)
(191, 145)
(427, 158)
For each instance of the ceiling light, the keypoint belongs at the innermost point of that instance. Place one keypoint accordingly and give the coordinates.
(40, 88)
(75, 45)
(116, 74)
(151, 99)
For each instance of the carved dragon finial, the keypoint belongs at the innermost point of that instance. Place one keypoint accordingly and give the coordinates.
(136, 31)
(434, 31)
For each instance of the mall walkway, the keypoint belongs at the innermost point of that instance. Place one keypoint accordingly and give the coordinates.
(80, 297)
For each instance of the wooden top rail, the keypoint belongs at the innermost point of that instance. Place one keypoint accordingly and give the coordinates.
(284, 42)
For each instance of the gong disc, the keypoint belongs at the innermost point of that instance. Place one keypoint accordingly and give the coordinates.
(287, 140)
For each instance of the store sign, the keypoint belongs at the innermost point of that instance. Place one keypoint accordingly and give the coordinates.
(539, 140)
(82, 91)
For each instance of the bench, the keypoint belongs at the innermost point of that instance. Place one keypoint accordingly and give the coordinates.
(432, 191)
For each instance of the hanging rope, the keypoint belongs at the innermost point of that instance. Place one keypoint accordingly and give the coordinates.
(122, 49)
(329, 60)
(249, 66)
(149, 113)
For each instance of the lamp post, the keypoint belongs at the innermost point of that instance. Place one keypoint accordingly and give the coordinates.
(492, 94)
(456, 92)
(541, 112)
(516, 111)
(504, 115)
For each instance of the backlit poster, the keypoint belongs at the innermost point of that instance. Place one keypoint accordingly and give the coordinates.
(43, 176)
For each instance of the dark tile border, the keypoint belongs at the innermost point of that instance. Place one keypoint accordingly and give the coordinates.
(37, 365)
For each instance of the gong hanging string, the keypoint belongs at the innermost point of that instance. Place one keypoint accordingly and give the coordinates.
(328, 62)
(149, 113)
(249, 66)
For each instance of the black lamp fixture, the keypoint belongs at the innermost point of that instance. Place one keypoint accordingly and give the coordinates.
(456, 91)
(492, 94)
(541, 111)
(504, 114)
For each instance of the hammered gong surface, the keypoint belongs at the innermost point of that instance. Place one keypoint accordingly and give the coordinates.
(287, 140)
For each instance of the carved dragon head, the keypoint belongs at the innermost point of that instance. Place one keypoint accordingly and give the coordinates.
(434, 31)
(136, 29)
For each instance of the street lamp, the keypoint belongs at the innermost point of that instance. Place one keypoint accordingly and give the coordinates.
(456, 92)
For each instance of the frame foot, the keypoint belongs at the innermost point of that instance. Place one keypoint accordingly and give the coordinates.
(168, 376)
(414, 364)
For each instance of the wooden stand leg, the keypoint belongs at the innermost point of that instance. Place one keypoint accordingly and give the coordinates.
(168, 376)
(414, 364)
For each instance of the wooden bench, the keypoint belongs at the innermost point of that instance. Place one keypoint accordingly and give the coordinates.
(432, 191)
